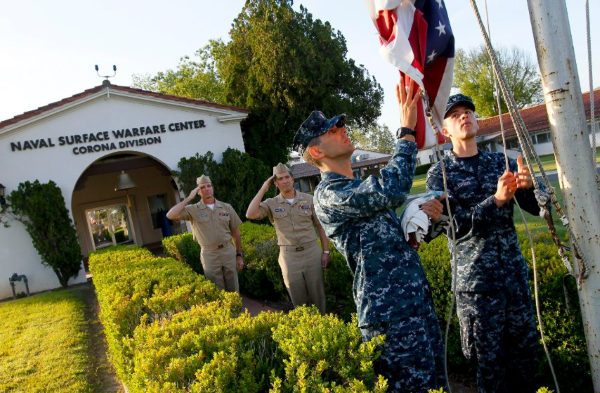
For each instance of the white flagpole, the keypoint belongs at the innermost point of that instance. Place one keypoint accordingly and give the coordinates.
(564, 104)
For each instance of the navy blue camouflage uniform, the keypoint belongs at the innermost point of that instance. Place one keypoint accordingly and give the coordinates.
(494, 307)
(390, 288)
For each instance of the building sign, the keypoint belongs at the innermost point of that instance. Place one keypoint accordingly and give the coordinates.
(109, 140)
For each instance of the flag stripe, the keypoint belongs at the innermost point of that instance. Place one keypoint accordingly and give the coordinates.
(417, 39)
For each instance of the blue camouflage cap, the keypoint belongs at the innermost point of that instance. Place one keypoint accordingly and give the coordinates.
(458, 99)
(317, 124)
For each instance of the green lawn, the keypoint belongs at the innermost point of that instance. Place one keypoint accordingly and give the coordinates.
(536, 223)
(44, 344)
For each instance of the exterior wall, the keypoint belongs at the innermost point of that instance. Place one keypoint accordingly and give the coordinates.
(426, 156)
(544, 148)
(105, 112)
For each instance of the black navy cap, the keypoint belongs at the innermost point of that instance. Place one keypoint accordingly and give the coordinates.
(457, 99)
(317, 124)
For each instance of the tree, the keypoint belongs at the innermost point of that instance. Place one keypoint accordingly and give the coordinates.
(473, 75)
(41, 208)
(193, 79)
(236, 179)
(280, 64)
(375, 137)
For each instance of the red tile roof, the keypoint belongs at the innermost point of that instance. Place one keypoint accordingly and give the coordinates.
(86, 93)
(304, 169)
(535, 118)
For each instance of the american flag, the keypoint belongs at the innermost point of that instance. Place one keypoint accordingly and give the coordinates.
(416, 38)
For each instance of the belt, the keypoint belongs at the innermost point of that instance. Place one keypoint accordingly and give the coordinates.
(214, 246)
(299, 247)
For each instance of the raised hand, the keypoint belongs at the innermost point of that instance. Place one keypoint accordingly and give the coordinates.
(522, 175)
(407, 102)
(194, 193)
(267, 183)
(507, 186)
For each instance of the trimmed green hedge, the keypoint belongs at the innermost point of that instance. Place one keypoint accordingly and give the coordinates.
(185, 249)
(422, 169)
(170, 330)
(261, 277)
(134, 286)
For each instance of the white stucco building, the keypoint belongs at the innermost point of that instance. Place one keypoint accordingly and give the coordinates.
(83, 143)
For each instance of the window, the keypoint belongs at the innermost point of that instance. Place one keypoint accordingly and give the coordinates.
(109, 225)
(543, 138)
(512, 144)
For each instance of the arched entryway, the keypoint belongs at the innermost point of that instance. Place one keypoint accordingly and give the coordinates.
(105, 216)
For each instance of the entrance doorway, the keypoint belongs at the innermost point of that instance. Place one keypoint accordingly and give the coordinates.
(109, 225)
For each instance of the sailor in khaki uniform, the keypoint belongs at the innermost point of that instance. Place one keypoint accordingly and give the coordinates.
(300, 257)
(214, 224)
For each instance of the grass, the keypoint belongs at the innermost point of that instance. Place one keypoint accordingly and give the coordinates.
(44, 344)
(536, 223)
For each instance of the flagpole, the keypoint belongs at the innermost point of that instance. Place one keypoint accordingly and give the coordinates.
(577, 176)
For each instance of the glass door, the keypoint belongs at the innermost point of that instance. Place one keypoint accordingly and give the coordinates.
(109, 225)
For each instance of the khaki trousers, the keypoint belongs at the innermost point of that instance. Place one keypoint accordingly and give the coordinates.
(220, 267)
(303, 275)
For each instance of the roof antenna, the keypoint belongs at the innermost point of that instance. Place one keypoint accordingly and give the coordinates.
(106, 82)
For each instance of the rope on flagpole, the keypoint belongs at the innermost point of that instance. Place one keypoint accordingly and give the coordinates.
(591, 82)
(542, 197)
(529, 151)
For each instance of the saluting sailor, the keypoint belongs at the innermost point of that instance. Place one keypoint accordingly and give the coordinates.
(293, 215)
(214, 224)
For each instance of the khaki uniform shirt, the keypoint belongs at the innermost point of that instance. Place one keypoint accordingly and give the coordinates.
(211, 226)
(294, 222)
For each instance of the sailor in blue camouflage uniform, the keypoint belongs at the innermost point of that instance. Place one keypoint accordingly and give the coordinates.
(390, 288)
(497, 322)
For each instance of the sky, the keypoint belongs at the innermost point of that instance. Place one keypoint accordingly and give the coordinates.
(48, 49)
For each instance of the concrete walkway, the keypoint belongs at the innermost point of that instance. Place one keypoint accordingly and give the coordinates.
(254, 307)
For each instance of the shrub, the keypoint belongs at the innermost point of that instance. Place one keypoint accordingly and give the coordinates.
(41, 208)
(208, 348)
(324, 352)
(134, 288)
(185, 249)
(237, 177)
(170, 330)
(338, 286)
(562, 321)
(422, 169)
(261, 277)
